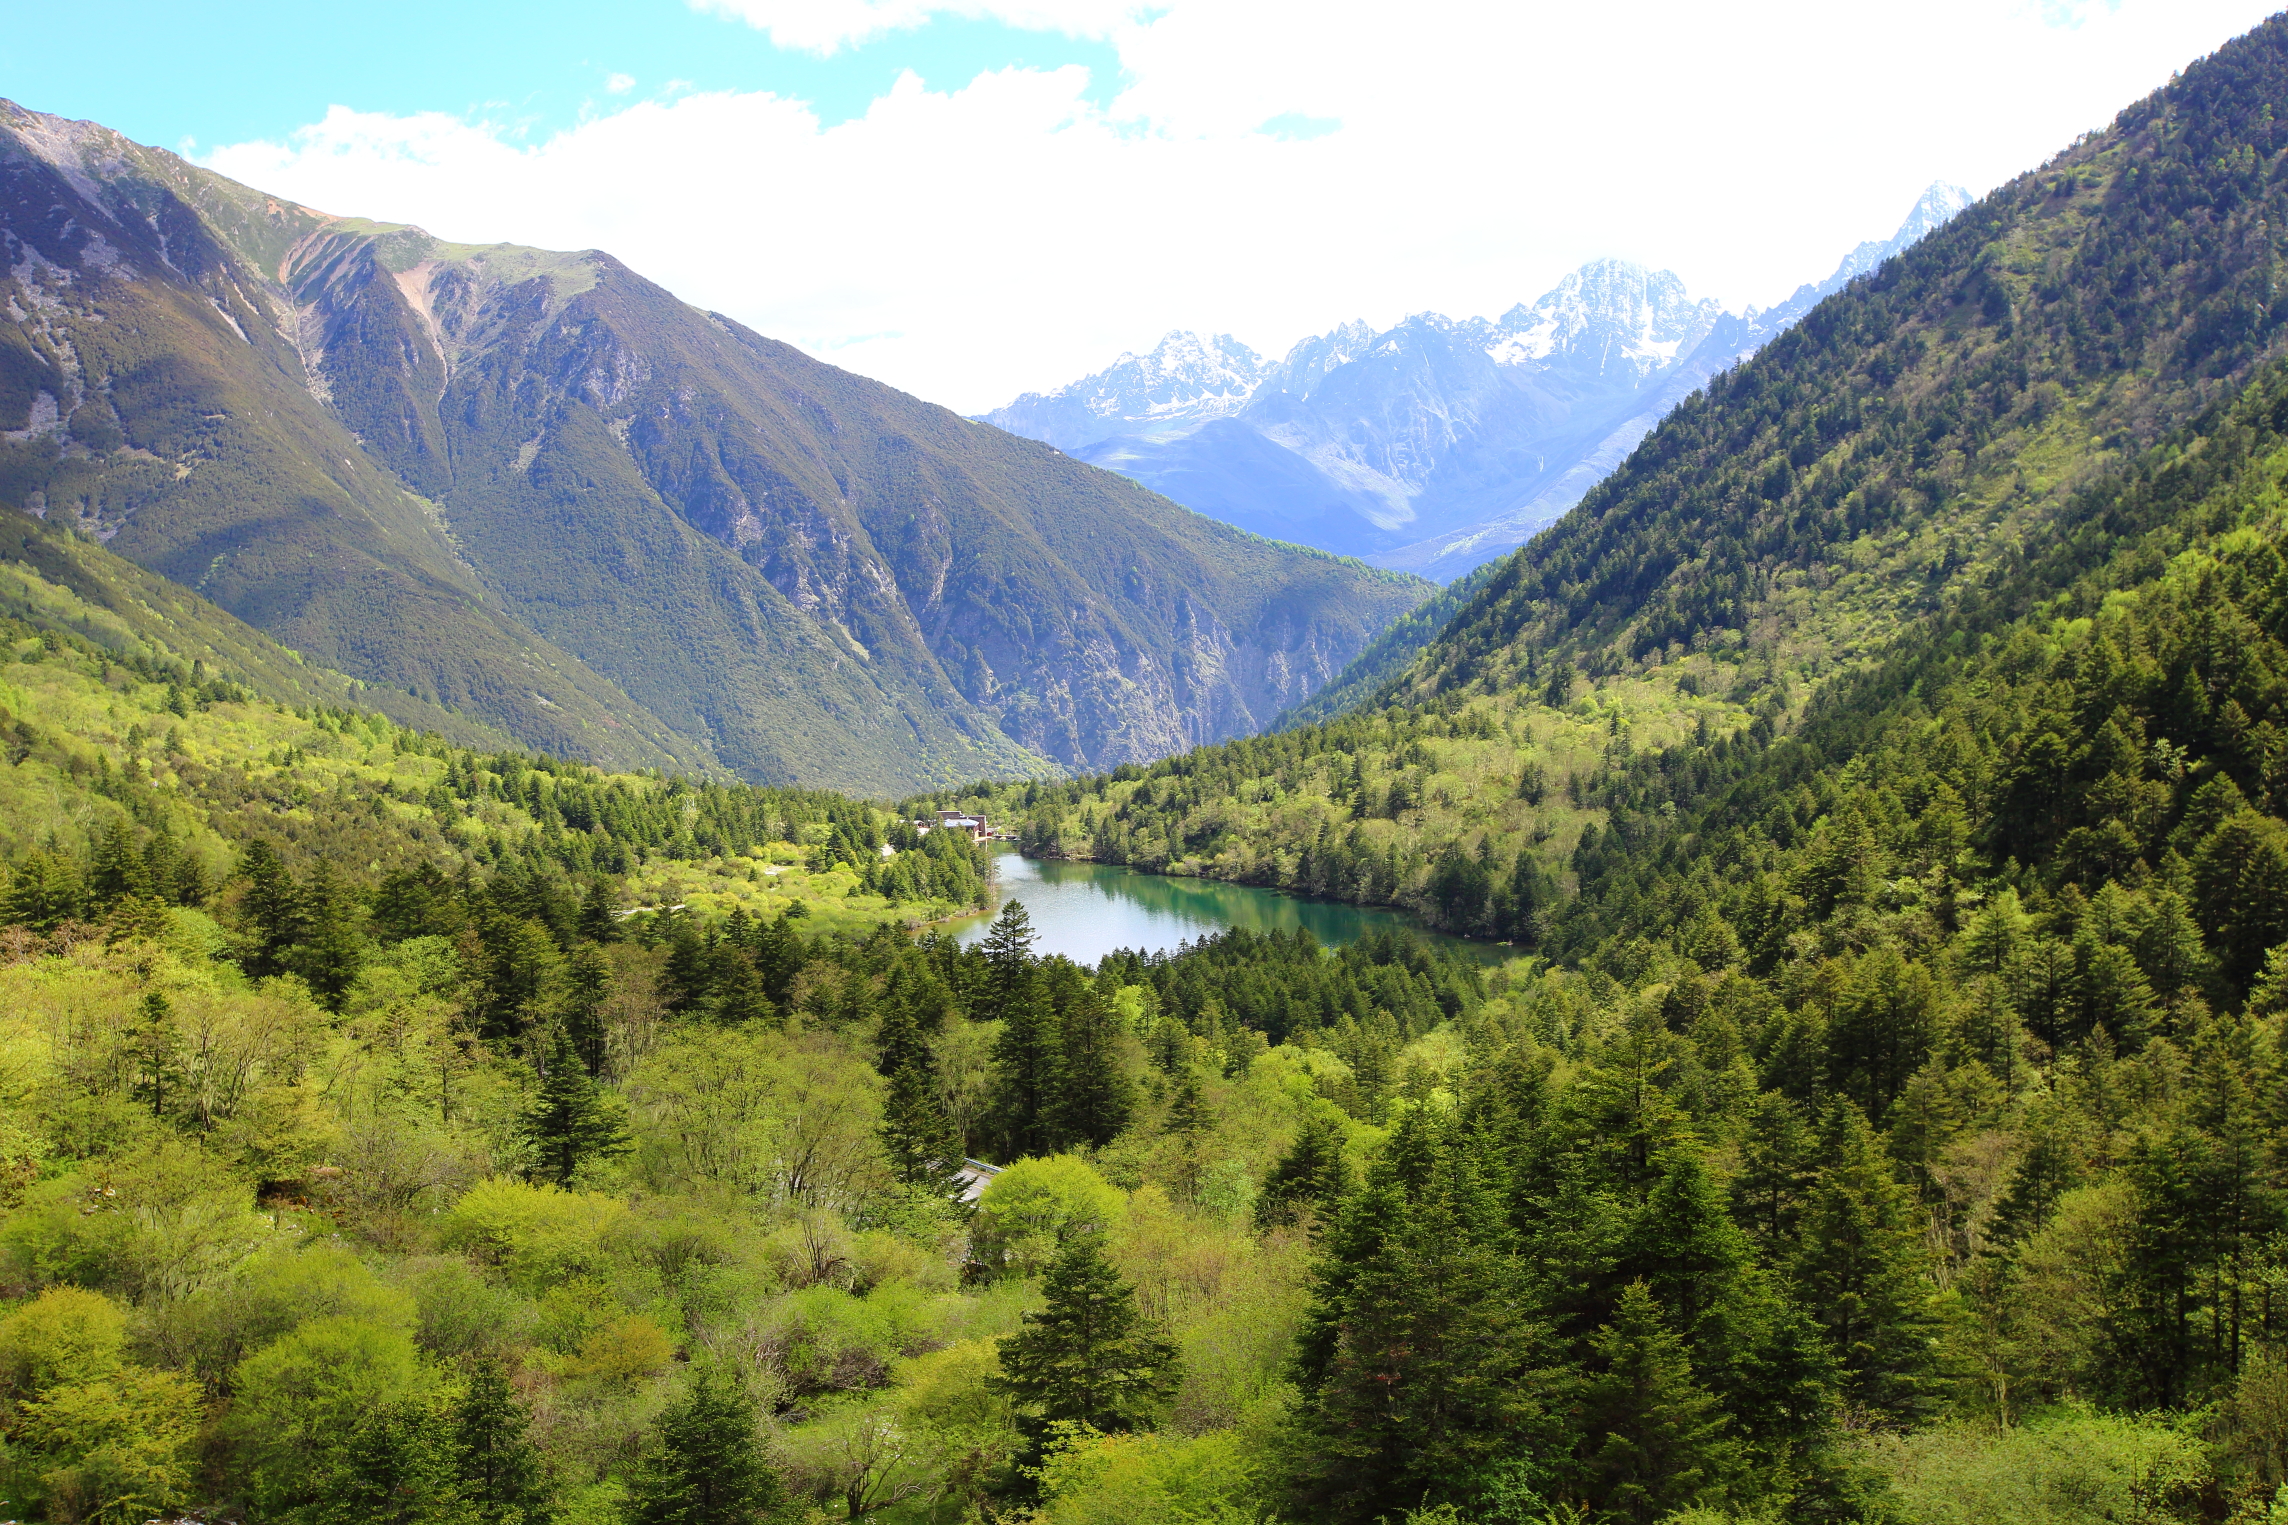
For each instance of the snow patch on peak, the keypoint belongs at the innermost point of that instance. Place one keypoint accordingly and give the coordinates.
(1607, 317)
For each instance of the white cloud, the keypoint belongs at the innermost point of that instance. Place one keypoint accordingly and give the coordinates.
(619, 84)
(1009, 234)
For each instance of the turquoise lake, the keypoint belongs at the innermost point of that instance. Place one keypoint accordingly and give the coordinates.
(1086, 910)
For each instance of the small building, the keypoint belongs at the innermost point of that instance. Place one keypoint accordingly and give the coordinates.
(979, 829)
(974, 1176)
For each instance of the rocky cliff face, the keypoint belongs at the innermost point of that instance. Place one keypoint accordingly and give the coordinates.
(443, 460)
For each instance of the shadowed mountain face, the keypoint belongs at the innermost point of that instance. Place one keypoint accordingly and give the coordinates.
(540, 489)
(1439, 444)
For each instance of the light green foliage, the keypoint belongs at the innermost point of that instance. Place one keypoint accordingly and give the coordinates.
(297, 1395)
(790, 1119)
(533, 1234)
(1034, 1206)
(1214, 1479)
(65, 1335)
(2067, 1468)
(162, 1222)
(112, 1450)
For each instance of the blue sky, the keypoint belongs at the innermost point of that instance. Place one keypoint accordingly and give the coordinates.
(211, 74)
(973, 198)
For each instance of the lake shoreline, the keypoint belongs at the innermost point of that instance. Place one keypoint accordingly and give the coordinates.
(1084, 909)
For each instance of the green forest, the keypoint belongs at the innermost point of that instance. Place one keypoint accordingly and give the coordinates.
(1878, 1113)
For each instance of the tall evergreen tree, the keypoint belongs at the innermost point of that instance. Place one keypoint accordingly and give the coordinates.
(1026, 1062)
(1653, 1439)
(1862, 1270)
(44, 892)
(501, 1473)
(1008, 948)
(156, 1049)
(572, 1119)
(1094, 1098)
(394, 1467)
(273, 910)
(1313, 1175)
(587, 981)
(1086, 1356)
(707, 1465)
(329, 950)
(1777, 1168)
(1424, 1365)
(924, 1147)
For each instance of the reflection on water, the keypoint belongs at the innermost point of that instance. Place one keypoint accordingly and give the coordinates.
(1086, 910)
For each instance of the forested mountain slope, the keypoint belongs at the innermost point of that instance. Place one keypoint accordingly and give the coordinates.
(1926, 423)
(537, 488)
(1912, 444)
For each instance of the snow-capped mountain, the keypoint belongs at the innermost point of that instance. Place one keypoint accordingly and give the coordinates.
(1179, 386)
(1439, 443)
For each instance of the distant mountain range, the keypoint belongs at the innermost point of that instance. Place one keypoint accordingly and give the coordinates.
(539, 491)
(1434, 446)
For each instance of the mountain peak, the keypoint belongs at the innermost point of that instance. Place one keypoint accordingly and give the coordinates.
(1186, 380)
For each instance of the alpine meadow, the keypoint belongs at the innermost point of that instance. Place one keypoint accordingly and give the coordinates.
(514, 1008)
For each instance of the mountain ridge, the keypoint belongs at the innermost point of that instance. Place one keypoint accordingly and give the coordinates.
(1475, 430)
(542, 490)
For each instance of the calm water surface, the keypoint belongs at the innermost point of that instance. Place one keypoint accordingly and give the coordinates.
(1086, 910)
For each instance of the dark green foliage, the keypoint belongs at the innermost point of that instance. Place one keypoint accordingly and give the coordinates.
(925, 1149)
(572, 1121)
(1094, 1098)
(1313, 1176)
(1863, 1273)
(501, 1473)
(1086, 1357)
(1653, 1438)
(706, 1466)
(397, 1467)
(1423, 1367)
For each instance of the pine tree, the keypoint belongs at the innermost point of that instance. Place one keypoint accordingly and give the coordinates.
(1025, 1067)
(573, 1119)
(1086, 1356)
(924, 1148)
(739, 997)
(1011, 971)
(1188, 1115)
(328, 951)
(1683, 1246)
(1653, 1439)
(588, 980)
(273, 910)
(1424, 1367)
(395, 1467)
(44, 892)
(707, 1466)
(501, 1473)
(599, 918)
(1776, 1171)
(156, 1049)
(1094, 1097)
(117, 869)
(2049, 1169)
(1313, 1175)
(1860, 1270)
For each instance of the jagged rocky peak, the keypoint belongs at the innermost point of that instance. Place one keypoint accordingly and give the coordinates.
(1934, 209)
(1611, 317)
(1185, 381)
